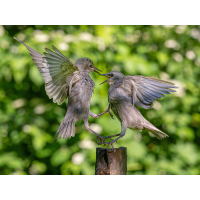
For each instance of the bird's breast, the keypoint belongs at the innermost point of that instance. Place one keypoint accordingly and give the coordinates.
(79, 99)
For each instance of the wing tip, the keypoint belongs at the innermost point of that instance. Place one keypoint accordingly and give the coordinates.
(46, 49)
(53, 47)
(18, 40)
(171, 85)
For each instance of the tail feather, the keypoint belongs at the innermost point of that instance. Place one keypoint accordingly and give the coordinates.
(154, 132)
(69, 129)
(57, 132)
(73, 130)
(66, 129)
(157, 133)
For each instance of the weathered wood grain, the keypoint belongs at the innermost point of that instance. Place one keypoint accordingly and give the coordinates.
(109, 162)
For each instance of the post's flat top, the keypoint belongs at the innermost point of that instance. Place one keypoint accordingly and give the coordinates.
(111, 148)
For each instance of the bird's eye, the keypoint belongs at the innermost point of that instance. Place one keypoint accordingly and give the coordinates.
(90, 65)
(111, 75)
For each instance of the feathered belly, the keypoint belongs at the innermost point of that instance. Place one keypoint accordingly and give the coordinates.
(79, 100)
(128, 113)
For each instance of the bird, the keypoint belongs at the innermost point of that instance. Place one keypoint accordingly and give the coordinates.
(63, 80)
(126, 93)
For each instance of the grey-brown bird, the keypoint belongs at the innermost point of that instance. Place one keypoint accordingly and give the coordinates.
(126, 92)
(65, 80)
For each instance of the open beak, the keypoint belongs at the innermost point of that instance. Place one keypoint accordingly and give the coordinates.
(103, 82)
(106, 76)
(96, 70)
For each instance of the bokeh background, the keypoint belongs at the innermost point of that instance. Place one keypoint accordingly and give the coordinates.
(29, 119)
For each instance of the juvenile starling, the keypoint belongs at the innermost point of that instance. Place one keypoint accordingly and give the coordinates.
(126, 92)
(65, 80)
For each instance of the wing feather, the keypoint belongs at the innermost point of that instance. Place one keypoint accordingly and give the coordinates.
(58, 72)
(59, 53)
(144, 90)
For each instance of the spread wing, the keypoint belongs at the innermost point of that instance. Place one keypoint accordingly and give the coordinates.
(58, 72)
(144, 90)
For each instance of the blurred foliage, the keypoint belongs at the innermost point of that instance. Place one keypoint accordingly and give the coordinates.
(29, 119)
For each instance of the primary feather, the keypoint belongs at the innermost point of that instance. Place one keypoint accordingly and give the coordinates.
(58, 72)
(144, 90)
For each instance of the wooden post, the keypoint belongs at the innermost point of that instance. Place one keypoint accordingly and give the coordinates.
(110, 162)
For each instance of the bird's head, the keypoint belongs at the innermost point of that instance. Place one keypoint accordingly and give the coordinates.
(113, 77)
(86, 65)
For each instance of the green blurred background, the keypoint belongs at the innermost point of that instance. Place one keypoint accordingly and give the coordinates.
(29, 119)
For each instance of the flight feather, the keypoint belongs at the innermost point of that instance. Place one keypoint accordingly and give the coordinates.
(58, 72)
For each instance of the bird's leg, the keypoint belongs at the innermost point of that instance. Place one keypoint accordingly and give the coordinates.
(110, 136)
(108, 110)
(96, 116)
(111, 114)
(88, 128)
(124, 127)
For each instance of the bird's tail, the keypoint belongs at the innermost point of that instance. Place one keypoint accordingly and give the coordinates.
(66, 129)
(154, 132)
(159, 134)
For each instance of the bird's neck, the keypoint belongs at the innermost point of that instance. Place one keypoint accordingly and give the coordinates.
(85, 76)
(84, 73)
(116, 84)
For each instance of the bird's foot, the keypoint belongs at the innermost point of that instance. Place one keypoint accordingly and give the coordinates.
(108, 144)
(113, 141)
(111, 136)
(101, 140)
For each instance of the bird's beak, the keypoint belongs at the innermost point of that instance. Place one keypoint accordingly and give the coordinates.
(104, 82)
(106, 76)
(96, 70)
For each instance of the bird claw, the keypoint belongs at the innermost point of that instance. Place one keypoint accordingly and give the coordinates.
(108, 144)
(101, 141)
